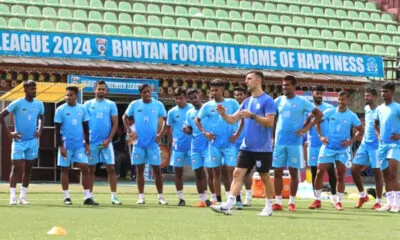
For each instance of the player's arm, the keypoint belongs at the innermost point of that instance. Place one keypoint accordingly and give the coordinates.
(114, 124)
(187, 128)
(322, 138)
(208, 135)
(40, 126)
(231, 119)
(59, 140)
(86, 135)
(377, 129)
(317, 115)
(161, 130)
(359, 131)
(12, 135)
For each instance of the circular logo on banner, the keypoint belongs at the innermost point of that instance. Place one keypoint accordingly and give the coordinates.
(165, 155)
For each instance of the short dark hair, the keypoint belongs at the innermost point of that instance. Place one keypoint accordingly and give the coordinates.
(257, 73)
(240, 89)
(75, 89)
(100, 82)
(192, 91)
(29, 83)
(217, 83)
(319, 88)
(343, 93)
(389, 86)
(179, 91)
(143, 86)
(372, 91)
(291, 79)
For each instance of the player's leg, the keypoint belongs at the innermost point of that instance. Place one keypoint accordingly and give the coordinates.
(360, 160)
(321, 169)
(379, 188)
(93, 159)
(107, 156)
(17, 165)
(140, 182)
(340, 175)
(31, 153)
(201, 184)
(64, 163)
(177, 162)
(225, 179)
(210, 184)
(393, 171)
(248, 181)
(214, 162)
(263, 162)
(245, 162)
(384, 165)
(332, 182)
(312, 160)
(278, 163)
(154, 159)
(230, 155)
(296, 162)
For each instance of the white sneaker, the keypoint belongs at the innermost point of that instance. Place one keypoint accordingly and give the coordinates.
(266, 212)
(384, 208)
(140, 201)
(23, 202)
(13, 202)
(395, 209)
(220, 209)
(247, 202)
(162, 201)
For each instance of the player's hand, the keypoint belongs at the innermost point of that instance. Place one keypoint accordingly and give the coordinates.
(346, 143)
(395, 137)
(15, 135)
(63, 151)
(105, 143)
(245, 114)
(324, 140)
(38, 134)
(133, 135)
(187, 130)
(301, 132)
(233, 138)
(210, 136)
(87, 149)
(220, 109)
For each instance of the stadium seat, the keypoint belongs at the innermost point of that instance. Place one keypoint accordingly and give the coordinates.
(374, 37)
(210, 24)
(261, 17)
(196, 23)
(65, 13)
(368, 48)
(235, 15)
(153, 19)
(80, 14)
(49, 12)
(110, 17)
(269, 41)
(153, 8)
(155, 32)
(47, 25)
(343, 46)
(63, 26)
(306, 43)
(110, 5)
(212, 37)
(396, 39)
(78, 27)
(286, 19)
(4, 9)
(184, 35)
(338, 34)
(221, 14)
(68, 3)
(262, 28)
(250, 27)
(125, 30)
(207, 12)
(81, 3)
(326, 33)
(52, 2)
(96, 4)
(362, 36)
(351, 36)
(253, 40)
(232, 3)
(240, 38)
(95, 16)
(139, 7)
(301, 31)
(380, 27)
(15, 23)
(257, 6)
(355, 47)
(18, 10)
(198, 36)
(280, 42)
(314, 32)
(276, 29)
(310, 21)
(237, 26)
(180, 10)
(270, 6)
(169, 33)
(3, 22)
(391, 51)
(95, 28)
(247, 16)
(226, 38)
(33, 11)
(392, 28)
(139, 31)
(289, 30)
(334, 23)
(293, 42)
(139, 19)
(168, 21)
(30, 24)
(380, 50)
(167, 9)
(330, 45)
(194, 11)
(223, 25)
(124, 6)
(110, 29)
(386, 39)
(125, 18)
(182, 22)
(318, 44)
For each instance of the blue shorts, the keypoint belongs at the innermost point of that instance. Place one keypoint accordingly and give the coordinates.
(221, 156)
(178, 159)
(150, 156)
(367, 156)
(25, 150)
(199, 159)
(327, 155)
(73, 156)
(101, 155)
(312, 156)
(386, 152)
(288, 156)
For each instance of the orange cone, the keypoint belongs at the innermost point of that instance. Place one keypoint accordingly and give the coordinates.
(57, 231)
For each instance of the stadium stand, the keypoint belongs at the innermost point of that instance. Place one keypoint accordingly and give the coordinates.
(329, 25)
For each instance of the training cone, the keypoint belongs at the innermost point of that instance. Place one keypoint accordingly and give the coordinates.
(57, 231)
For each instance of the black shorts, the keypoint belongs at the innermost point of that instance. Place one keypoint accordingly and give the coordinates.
(262, 160)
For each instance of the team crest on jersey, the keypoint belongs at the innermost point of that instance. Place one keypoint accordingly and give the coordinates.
(294, 160)
(345, 121)
(258, 163)
(258, 106)
(153, 110)
(193, 161)
(139, 110)
(105, 108)
(214, 158)
(177, 116)
(67, 114)
(137, 156)
(34, 109)
(93, 107)
(24, 109)
(294, 105)
(79, 113)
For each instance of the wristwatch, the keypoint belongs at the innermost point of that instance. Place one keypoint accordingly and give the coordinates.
(253, 116)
